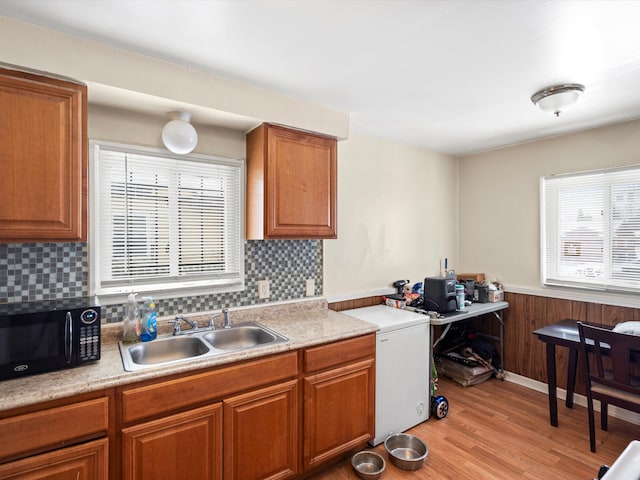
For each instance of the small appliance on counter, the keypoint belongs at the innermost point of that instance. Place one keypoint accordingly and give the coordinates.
(440, 294)
(38, 337)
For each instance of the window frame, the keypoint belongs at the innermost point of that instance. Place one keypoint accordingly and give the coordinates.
(159, 290)
(608, 180)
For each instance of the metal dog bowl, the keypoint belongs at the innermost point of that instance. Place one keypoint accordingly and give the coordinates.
(368, 465)
(406, 451)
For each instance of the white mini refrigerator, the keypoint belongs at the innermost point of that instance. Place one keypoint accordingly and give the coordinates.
(402, 368)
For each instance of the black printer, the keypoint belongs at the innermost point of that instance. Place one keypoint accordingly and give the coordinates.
(440, 294)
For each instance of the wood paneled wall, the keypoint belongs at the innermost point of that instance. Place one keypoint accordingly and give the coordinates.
(524, 354)
(357, 303)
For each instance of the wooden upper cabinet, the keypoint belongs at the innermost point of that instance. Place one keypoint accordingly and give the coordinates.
(43, 158)
(291, 184)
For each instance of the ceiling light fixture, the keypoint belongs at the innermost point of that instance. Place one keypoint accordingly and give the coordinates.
(178, 135)
(558, 98)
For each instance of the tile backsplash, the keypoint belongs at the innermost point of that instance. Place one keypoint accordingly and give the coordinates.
(44, 271)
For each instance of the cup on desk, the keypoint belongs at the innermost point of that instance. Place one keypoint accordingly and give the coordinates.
(460, 296)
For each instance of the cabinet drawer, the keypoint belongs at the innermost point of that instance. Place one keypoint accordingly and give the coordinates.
(53, 427)
(158, 398)
(87, 461)
(337, 353)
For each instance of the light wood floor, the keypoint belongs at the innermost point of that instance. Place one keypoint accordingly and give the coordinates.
(500, 430)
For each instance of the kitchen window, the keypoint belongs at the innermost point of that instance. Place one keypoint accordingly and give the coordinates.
(164, 224)
(590, 230)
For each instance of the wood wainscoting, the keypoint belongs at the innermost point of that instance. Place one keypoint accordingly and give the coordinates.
(524, 353)
(357, 303)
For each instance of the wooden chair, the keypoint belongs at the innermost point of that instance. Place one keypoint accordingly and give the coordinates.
(610, 380)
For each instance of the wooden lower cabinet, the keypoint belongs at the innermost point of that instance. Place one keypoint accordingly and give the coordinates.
(273, 418)
(261, 434)
(338, 411)
(184, 446)
(87, 461)
(53, 428)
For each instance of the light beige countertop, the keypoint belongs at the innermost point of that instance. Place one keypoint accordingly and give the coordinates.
(304, 323)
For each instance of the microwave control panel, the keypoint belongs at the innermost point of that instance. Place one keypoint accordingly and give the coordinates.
(89, 336)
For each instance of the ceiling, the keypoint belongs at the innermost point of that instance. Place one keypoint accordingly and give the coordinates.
(451, 76)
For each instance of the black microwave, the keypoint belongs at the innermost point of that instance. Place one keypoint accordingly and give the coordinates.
(38, 337)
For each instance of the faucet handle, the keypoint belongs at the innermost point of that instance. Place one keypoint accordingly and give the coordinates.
(212, 323)
(176, 324)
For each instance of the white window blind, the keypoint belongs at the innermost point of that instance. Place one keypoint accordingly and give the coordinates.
(166, 222)
(590, 230)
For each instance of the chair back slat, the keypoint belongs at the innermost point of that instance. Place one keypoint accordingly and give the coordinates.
(616, 347)
(610, 381)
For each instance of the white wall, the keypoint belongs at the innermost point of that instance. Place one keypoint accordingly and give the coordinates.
(123, 126)
(397, 206)
(397, 217)
(135, 81)
(499, 201)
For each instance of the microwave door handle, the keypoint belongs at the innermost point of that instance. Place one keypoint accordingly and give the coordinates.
(68, 337)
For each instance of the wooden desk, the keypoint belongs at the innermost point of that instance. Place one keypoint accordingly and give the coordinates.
(565, 334)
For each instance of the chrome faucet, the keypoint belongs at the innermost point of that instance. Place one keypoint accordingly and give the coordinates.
(226, 321)
(179, 319)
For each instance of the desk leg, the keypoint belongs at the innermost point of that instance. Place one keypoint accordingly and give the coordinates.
(501, 320)
(500, 369)
(571, 376)
(551, 379)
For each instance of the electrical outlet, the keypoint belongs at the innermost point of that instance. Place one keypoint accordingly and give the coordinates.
(310, 287)
(263, 288)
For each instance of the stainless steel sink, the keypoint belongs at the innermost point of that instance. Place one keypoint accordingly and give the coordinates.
(162, 351)
(202, 344)
(240, 337)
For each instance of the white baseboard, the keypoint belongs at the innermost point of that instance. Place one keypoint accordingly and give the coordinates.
(578, 399)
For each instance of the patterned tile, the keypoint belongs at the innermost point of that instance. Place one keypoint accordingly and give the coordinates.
(44, 271)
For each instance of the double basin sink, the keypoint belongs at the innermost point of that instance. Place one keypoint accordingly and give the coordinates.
(201, 344)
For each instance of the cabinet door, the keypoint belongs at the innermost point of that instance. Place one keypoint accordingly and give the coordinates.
(261, 434)
(185, 446)
(82, 462)
(291, 184)
(338, 411)
(43, 154)
(302, 182)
